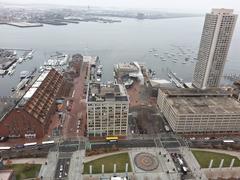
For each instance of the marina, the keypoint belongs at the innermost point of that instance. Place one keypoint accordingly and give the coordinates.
(10, 58)
(58, 61)
(177, 54)
(77, 40)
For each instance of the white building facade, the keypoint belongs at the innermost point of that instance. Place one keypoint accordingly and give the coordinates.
(215, 41)
(107, 115)
(200, 114)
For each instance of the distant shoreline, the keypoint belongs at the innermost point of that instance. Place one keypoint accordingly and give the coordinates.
(66, 22)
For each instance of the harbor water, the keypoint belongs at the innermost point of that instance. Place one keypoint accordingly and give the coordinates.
(161, 44)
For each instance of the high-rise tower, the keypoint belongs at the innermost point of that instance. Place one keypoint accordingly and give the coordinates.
(215, 41)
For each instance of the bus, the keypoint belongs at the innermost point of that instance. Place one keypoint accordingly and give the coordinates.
(5, 148)
(228, 141)
(48, 142)
(30, 144)
(112, 138)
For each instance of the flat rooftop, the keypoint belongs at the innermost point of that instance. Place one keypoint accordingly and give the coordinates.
(205, 105)
(126, 67)
(33, 88)
(110, 92)
(197, 101)
(193, 92)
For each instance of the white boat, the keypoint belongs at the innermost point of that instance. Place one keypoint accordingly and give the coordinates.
(22, 84)
(24, 74)
(20, 60)
(2, 72)
(14, 65)
(183, 62)
(99, 72)
(174, 61)
(11, 72)
(30, 55)
(155, 55)
(56, 61)
(11, 69)
(41, 69)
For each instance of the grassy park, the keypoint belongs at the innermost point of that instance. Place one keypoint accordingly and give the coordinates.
(204, 158)
(24, 171)
(119, 159)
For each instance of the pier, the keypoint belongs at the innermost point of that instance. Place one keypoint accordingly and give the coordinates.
(176, 80)
(16, 49)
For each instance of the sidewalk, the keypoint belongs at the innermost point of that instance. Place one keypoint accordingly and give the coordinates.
(48, 171)
(28, 160)
(226, 173)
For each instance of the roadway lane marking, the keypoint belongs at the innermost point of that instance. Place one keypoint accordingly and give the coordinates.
(73, 93)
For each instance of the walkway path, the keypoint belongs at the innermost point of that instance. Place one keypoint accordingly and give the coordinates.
(28, 160)
(48, 171)
(91, 158)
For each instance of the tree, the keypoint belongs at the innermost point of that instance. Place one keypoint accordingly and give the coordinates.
(8, 163)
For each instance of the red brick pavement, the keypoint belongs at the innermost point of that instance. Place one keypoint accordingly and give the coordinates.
(79, 105)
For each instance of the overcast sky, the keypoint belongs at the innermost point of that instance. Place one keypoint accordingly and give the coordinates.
(181, 5)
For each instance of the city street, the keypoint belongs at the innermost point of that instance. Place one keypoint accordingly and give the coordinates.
(62, 168)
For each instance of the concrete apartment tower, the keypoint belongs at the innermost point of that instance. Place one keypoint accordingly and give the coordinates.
(215, 41)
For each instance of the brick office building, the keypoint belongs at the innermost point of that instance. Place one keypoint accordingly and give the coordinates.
(31, 115)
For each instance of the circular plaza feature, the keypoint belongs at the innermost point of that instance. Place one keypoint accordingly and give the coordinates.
(146, 161)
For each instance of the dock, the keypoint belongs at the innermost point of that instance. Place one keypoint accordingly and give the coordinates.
(16, 49)
(176, 80)
(24, 24)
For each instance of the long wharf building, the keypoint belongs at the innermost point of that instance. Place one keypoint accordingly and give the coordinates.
(31, 115)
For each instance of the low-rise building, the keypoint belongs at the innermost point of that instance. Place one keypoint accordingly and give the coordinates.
(190, 111)
(107, 110)
(124, 71)
(31, 115)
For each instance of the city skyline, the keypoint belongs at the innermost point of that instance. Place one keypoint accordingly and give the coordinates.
(101, 92)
